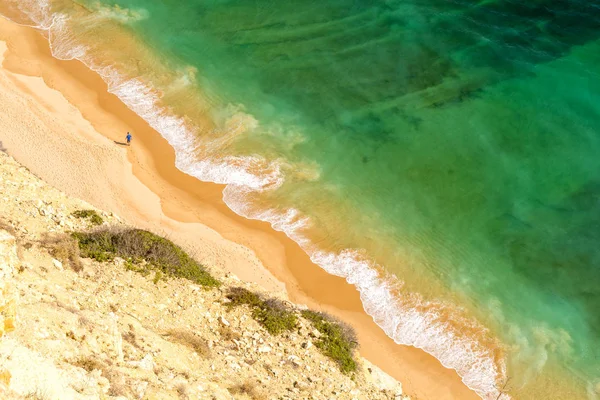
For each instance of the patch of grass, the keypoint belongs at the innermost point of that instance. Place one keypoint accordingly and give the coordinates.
(37, 395)
(64, 248)
(227, 334)
(89, 364)
(92, 215)
(138, 246)
(248, 388)
(239, 296)
(130, 337)
(274, 315)
(157, 277)
(338, 340)
(182, 390)
(189, 339)
(85, 322)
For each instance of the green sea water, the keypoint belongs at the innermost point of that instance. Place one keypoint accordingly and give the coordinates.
(455, 144)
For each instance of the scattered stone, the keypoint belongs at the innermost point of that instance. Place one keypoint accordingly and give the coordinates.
(307, 345)
(57, 264)
(147, 363)
(264, 349)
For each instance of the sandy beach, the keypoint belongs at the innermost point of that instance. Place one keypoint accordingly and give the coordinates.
(59, 120)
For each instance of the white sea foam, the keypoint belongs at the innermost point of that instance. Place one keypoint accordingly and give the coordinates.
(123, 15)
(401, 317)
(402, 320)
(38, 11)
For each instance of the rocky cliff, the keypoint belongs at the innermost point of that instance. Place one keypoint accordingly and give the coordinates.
(83, 329)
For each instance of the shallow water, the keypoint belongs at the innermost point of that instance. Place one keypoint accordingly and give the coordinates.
(441, 155)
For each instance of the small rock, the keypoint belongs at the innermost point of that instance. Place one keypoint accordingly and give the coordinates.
(147, 363)
(224, 321)
(264, 349)
(27, 265)
(140, 389)
(307, 345)
(57, 264)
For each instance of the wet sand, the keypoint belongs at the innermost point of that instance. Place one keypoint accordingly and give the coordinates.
(71, 145)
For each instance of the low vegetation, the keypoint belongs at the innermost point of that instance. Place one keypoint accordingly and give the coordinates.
(92, 215)
(182, 390)
(130, 336)
(89, 364)
(157, 277)
(240, 296)
(274, 315)
(37, 395)
(144, 251)
(337, 341)
(247, 388)
(65, 249)
(191, 340)
(227, 334)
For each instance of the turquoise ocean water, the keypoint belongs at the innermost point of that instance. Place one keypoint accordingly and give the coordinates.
(442, 155)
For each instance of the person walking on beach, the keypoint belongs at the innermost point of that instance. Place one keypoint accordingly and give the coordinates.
(128, 137)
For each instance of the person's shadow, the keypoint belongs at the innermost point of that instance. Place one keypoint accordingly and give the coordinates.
(121, 143)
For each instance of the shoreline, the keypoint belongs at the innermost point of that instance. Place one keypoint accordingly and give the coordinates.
(142, 185)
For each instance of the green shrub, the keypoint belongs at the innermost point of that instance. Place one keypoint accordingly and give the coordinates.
(272, 314)
(137, 246)
(157, 277)
(275, 316)
(239, 296)
(337, 340)
(93, 216)
(97, 245)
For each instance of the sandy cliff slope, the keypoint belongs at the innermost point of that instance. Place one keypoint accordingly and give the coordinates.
(108, 332)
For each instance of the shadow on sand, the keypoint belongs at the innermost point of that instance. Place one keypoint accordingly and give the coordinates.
(121, 143)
